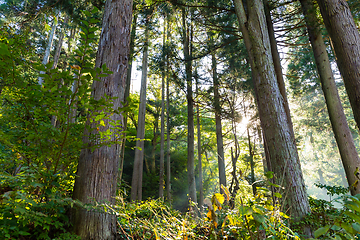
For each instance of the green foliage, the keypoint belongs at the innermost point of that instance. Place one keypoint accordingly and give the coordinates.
(41, 128)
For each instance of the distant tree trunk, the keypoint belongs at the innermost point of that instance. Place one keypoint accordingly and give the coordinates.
(98, 167)
(219, 138)
(48, 48)
(168, 159)
(282, 149)
(343, 136)
(190, 109)
(136, 183)
(346, 41)
(127, 89)
(162, 127)
(60, 42)
(201, 190)
(252, 164)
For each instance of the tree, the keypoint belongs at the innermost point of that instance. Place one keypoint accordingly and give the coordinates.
(136, 183)
(346, 42)
(98, 164)
(282, 149)
(344, 139)
(187, 31)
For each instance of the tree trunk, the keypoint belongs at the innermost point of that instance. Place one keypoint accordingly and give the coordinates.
(343, 136)
(190, 109)
(162, 127)
(219, 138)
(48, 49)
(127, 89)
(346, 41)
(98, 168)
(168, 159)
(282, 150)
(60, 42)
(136, 183)
(201, 190)
(277, 64)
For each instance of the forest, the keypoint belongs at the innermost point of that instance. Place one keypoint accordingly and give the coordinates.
(179, 119)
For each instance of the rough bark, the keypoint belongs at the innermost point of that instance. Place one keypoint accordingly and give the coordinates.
(98, 168)
(136, 183)
(277, 64)
(282, 150)
(190, 109)
(343, 136)
(346, 41)
(219, 138)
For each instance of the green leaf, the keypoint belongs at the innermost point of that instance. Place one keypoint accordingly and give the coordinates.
(4, 49)
(277, 194)
(356, 226)
(321, 231)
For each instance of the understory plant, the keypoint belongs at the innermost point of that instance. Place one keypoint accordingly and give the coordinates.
(41, 128)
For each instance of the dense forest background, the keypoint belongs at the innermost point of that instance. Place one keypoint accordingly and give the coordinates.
(176, 144)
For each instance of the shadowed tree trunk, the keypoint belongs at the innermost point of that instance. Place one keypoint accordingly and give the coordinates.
(190, 108)
(346, 41)
(343, 136)
(97, 173)
(219, 138)
(136, 183)
(282, 149)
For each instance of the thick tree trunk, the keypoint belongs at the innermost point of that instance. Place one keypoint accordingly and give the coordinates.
(190, 110)
(97, 169)
(346, 41)
(277, 64)
(344, 139)
(136, 183)
(219, 138)
(282, 150)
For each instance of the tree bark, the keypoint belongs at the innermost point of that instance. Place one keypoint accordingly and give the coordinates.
(346, 41)
(127, 89)
(162, 124)
(201, 190)
(48, 49)
(96, 179)
(60, 42)
(219, 138)
(136, 183)
(277, 64)
(190, 109)
(282, 149)
(343, 136)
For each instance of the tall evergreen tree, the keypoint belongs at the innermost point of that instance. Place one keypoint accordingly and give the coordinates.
(98, 168)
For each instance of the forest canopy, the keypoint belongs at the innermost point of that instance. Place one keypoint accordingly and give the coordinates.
(179, 119)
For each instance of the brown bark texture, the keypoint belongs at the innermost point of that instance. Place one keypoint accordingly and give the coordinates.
(282, 150)
(346, 41)
(219, 137)
(344, 139)
(98, 168)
